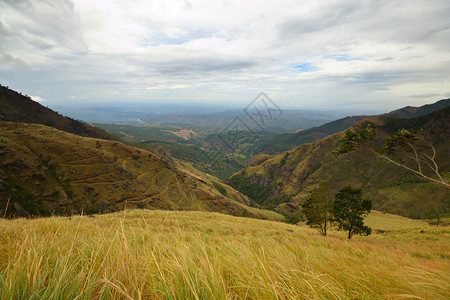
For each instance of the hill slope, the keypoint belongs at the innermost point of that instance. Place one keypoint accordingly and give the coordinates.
(283, 181)
(414, 112)
(15, 107)
(44, 170)
(286, 141)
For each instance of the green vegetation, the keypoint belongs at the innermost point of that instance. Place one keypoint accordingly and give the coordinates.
(391, 189)
(318, 208)
(220, 188)
(259, 193)
(409, 143)
(65, 173)
(216, 163)
(143, 254)
(349, 208)
(254, 191)
(287, 141)
(186, 142)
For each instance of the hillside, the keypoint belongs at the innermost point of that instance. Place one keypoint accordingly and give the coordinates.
(413, 112)
(44, 170)
(204, 147)
(283, 181)
(200, 146)
(142, 254)
(286, 141)
(15, 107)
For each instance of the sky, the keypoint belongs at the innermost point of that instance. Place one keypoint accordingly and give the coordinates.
(375, 55)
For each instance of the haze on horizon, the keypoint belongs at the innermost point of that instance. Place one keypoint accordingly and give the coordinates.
(379, 55)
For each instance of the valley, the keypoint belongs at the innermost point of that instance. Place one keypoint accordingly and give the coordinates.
(179, 166)
(278, 170)
(46, 171)
(171, 211)
(203, 150)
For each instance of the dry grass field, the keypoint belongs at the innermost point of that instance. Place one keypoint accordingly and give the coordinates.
(143, 254)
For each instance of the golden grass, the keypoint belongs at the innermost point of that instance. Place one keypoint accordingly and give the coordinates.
(141, 254)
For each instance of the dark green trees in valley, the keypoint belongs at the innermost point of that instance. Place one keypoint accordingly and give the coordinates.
(318, 208)
(349, 210)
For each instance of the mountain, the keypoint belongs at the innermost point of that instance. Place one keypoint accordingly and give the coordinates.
(289, 140)
(15, 107)
(412, 112)
(46, 171)
(285, 141)
(283, 181)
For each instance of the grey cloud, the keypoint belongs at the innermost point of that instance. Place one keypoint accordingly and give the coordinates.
(201, 65)
(429, 95)
(324, 18)
(46, 38)
(189, 66)
(17, 2)
(412, 22)
(7, 59)
(49, 25)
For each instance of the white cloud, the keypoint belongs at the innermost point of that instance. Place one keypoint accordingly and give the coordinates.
(179, 86)
(158, 87)
(38, 99)
(351, 51)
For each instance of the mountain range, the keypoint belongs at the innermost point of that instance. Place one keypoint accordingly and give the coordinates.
(283, 181)
(45, 170)
(51, 164)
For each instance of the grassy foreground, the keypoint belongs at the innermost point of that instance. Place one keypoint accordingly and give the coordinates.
(141, 254)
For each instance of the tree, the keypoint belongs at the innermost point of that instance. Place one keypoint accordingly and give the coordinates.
(349, 210)
(318, 208)
(435, 213)
(410, 144)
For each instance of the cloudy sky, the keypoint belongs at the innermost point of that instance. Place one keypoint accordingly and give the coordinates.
(306, 54)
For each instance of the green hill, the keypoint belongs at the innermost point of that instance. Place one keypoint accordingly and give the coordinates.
(286, 141)
(283, 181)
(413, 112)
(44, 170)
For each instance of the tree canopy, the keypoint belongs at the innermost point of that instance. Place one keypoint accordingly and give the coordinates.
(318, 208)
(349, 210)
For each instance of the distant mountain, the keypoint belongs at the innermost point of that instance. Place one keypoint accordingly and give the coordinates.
(207, 118)
(15, 107)
(285, 141)
(283, 181)
(289, 140)
(45, 170)
(412, 112)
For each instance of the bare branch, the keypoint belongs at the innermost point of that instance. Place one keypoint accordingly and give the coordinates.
(441, 182)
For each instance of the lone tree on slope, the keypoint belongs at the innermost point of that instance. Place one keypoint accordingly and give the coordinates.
(349, 210)
(318, 208)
